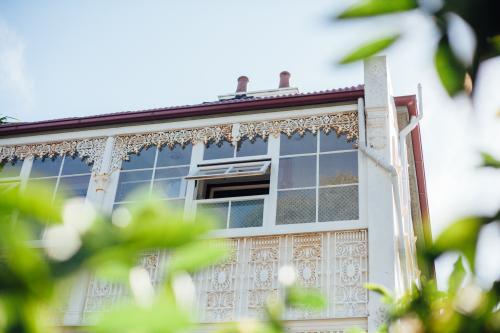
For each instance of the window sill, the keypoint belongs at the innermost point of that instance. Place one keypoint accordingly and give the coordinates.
(289, 229)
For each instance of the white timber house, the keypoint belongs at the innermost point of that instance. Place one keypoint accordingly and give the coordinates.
(330, 182)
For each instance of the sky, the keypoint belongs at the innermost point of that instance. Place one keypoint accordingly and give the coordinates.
(77, 58)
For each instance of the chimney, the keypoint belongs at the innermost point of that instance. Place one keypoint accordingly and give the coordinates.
(242, 85)
(284, 79)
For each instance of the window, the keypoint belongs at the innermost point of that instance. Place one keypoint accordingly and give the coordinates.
(245, 147)
(234, 192)
(68, 174)
(231, 170)
(317, 179)
(161, 171)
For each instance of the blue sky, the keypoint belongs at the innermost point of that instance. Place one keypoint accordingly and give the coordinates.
(76, 58)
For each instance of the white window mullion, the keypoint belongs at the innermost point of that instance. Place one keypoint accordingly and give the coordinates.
(273, 150)
(317, 176)
(153, 173)
(190, 197)
(25, 172)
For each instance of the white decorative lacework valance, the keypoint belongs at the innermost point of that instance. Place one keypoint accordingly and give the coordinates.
(91, 150)
(127, 144)
(343, 123)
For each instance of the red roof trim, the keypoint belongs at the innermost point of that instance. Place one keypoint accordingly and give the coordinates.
(411, 103)
(220, 107)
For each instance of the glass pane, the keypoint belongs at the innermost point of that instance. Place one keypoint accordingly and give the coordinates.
(245, 214)
(212, 171)
(50, 183)
(248, 168)
(175, 203)
(170, 188)
(130, 181)
(338, 203)
(331, 142)
(44, 167)
(74, 165)
(296, 206)
(297, 144)
(171, 172)
(177, 156)
(297, 172)
(145, 159)
(217, 210)
(340, 168)
(74, 186)
(252, 148)
(222, 149)
(8, 187)
(10, 169)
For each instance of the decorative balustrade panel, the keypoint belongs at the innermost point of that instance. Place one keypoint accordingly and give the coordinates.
(333, 262)
(101, 295)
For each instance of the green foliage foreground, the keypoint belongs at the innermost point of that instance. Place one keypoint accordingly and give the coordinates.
(77, 238)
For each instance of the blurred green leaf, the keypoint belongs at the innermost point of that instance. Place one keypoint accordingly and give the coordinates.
(195, 256)
(377, 7)
(381, 290)
(305, 298)
(490, 161)
(162, 316)
(460, 236)
(369, 49)
(457, 276)
(383, 329)
(450, 70)
(35, 202)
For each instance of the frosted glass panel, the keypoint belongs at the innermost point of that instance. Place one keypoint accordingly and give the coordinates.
(245, 214)
(338, 203)
(296, 206)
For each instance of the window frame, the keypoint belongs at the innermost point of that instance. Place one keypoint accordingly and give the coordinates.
(264, 168)
(317, 154)
(152, 179)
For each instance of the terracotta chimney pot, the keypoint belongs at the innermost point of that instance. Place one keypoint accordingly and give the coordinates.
(242, 84)
(284, 79)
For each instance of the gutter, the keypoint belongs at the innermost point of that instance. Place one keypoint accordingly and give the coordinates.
(221, 107)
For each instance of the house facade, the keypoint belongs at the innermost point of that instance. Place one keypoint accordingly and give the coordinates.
(329, 182)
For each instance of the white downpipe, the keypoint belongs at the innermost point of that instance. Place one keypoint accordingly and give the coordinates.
(391, 170)
(414, 121)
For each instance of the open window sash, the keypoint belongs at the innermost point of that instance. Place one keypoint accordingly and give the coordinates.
(231, 170)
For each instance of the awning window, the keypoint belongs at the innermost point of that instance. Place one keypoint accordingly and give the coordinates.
(229, 170)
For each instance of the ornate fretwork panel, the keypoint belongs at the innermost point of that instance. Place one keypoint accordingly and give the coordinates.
(333, 262)
(128, 144)
(263, 266)
(308, 259)
(343, 123)
(217, 286)
(351, 250)
(91, 150)
(104, 294)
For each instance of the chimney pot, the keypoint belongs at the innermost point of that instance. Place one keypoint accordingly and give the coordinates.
(242, 84)
(284, 79)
